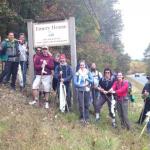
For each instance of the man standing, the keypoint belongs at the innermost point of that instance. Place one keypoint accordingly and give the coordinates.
(96, 78)
(55, 81)
(23, 57)
(63, 73)
(43, 65)
(11, 49)
(105, 85)
(146, 97)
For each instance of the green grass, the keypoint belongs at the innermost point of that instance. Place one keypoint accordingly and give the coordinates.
(23, 127)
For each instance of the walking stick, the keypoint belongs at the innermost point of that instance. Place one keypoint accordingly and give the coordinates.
(141, 116)
(64, 90)
(113, 102)
(83, 109)
(42, 72)
(64, 93)
(147, 120)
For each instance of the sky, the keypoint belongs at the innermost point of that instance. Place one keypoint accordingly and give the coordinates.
(136, 30)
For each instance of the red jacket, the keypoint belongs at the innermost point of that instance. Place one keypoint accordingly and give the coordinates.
(38, 60)
(121, 88)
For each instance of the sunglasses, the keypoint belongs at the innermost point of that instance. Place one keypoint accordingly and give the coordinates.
(107, 71)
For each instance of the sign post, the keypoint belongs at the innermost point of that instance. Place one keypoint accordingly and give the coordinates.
(57, 33)
(31, 51)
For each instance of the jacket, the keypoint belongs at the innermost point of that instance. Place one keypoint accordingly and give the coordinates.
(83, 78)
(11, 49)
(121, 89)
(67, 73)
(38, 61)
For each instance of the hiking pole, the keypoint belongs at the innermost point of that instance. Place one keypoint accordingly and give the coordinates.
(64, 90)
(113, 102)
(83, 110)
(142, 113)
(42, 72)
(147, 120)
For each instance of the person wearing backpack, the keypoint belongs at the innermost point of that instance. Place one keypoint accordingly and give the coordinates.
(11, 49)
(120, 88)
(105, 85)
(96, 78)
(82, 81)
(146, 97)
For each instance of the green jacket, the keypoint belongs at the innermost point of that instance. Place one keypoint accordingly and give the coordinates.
(9, 51)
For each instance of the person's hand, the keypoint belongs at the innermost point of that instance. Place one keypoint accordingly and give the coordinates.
(105, 92)
(60, 72)
(146, 93)
(62, 80)
(44, 62)
(113, 92)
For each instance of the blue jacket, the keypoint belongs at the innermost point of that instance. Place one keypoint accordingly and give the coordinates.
(67, 73)
(80, 81)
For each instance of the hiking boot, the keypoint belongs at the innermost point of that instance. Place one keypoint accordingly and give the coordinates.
(46, 105)
(114, 125)
(13, 88)
(33, 102)
(97, 119)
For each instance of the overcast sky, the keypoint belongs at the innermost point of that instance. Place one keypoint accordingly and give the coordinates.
(136, 31)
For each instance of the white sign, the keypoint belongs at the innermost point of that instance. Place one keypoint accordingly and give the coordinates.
(51, 33)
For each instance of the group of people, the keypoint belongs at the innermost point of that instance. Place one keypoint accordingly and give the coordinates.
(57, 74)
(14, 52)
(88, 82)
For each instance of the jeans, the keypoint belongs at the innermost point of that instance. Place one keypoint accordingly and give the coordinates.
(84, 99)
(11, 68)
(122, 109)
(23, 65)
(101, 101)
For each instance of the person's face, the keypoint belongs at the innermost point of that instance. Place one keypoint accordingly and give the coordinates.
(22, 38)
(93, 66)
(82, 65)
(57, 59)
(62, 60)
(119, 76)
(38, 50)
(11, 36)
(107, 74)
(45, 51)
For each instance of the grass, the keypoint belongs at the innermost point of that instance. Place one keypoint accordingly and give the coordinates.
(23, 127)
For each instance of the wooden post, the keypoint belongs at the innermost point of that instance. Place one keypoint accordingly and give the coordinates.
(31, 50)
(72, 37)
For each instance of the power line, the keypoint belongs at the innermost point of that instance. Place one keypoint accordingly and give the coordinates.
(90, 3)
(91, 15)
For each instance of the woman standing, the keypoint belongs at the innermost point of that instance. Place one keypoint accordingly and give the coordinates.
(82, 81)
(120, 87)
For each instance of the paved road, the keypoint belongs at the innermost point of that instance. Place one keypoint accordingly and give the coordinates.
(142, 79)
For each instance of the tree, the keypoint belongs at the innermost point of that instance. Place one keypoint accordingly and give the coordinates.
(123, 63)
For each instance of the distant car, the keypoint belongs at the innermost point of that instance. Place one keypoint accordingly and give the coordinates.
(137, 75)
